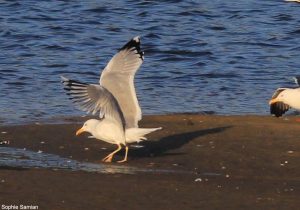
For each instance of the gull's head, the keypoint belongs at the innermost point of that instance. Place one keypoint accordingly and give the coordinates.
(88, 126)
(281, 97)
(274, 100)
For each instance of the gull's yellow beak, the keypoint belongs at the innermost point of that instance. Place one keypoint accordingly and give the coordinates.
(273, 101)
(81, 130)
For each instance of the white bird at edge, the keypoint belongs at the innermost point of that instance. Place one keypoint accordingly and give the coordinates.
(298, 1)
(114, 99)
(285, 98)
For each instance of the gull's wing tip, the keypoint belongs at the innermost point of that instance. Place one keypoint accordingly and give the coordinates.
(137, 39)
(134, 44)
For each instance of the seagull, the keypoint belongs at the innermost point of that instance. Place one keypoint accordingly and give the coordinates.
(285, 98)
(298, 1)
(114, 100)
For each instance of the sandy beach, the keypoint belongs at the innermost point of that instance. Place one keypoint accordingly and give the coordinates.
(199, 162)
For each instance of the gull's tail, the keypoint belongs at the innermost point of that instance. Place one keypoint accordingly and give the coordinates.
(138, 134)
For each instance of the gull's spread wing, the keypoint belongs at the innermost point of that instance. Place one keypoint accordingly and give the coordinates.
(94, 99)
(118, 78)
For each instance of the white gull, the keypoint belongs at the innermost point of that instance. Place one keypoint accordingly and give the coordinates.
(285, 98)
(114, 99)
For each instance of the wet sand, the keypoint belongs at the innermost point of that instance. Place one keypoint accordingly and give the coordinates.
(217, 162)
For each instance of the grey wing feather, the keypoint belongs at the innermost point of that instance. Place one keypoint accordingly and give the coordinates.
(118, 78)
(94, 99)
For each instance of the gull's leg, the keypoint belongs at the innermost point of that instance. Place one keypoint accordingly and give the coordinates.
(125, 158)
(109, 157)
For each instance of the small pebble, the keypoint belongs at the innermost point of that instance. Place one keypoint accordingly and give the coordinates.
(86, 148)
(286, 162)
(223, 167)
(40, 151)
(227, 176)
(104, 148)
(42, 142)
(290, 152)
(137, 146)
(175, 164)
(3, 132)
(198, 180)
(2, 180)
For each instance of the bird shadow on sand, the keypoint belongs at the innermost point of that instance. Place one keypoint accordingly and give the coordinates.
(162, 146)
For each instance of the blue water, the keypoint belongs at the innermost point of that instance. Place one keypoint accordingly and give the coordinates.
(222, 57)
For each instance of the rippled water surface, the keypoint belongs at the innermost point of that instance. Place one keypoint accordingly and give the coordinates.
(223, 57)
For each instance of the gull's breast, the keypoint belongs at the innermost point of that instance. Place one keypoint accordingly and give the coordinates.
(109, 132)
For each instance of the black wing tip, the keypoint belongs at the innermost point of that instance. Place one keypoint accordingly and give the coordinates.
(134, 43)
(136, 39)
(279, 108)
(70, 82)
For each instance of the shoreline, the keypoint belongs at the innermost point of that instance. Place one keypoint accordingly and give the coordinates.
(237, 162)
(67, 119)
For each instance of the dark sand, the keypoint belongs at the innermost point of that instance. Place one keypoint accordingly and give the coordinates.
(257, 157)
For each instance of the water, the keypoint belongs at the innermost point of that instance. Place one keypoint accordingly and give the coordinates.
(15, 158)
(222, 57)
